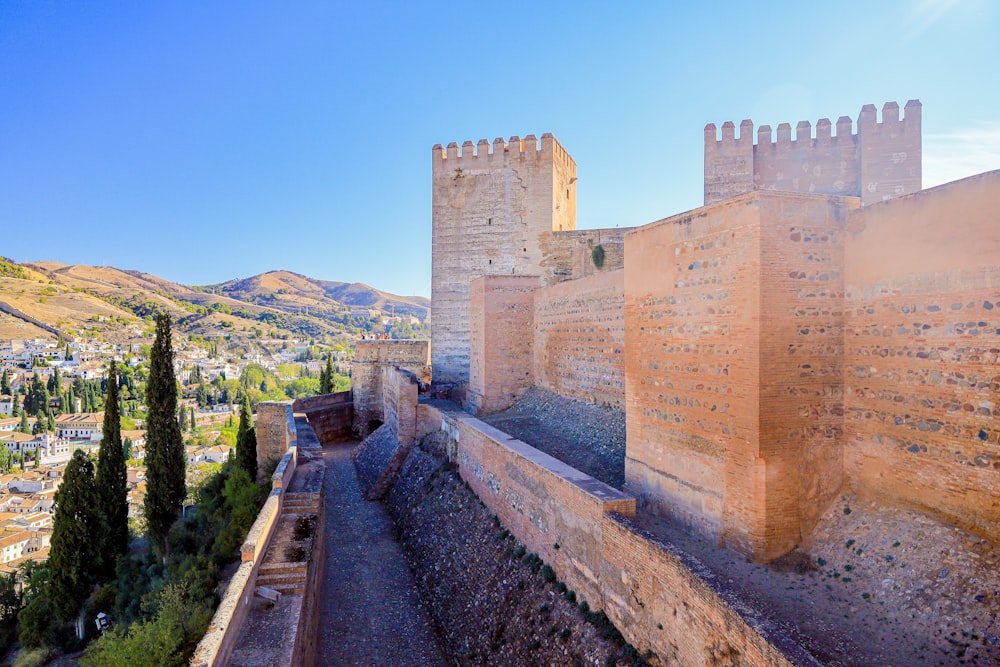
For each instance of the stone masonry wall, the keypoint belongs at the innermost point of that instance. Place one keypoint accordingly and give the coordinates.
(881, 161)
(276, 432)
(501, 325)
(399, 403)
(490, 206)
(370, 357)
(733, 339)
(922, 350)
(579, 338)
(570, 255)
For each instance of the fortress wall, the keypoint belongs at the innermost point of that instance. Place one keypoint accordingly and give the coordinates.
(491, 203)
(570, 255)
(502, 327)
(922, 348)
(659, 598)
(801, 367)
(330, 415)
(579, 338)
(733, 359)
(370, 357)
(882, 160)
(399, 403)
(692, 295)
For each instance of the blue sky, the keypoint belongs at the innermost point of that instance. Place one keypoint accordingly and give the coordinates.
(203, 141)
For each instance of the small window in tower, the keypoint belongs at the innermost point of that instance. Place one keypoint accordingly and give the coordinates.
(489, 221)
(525, 250)
(567, 193)
(491, 261)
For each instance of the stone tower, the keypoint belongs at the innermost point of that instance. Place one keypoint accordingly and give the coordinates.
(880, 162)
(490, 204)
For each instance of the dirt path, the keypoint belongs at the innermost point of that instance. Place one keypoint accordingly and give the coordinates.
(370, 612)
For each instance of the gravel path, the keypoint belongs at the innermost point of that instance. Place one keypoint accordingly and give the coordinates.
(370, 611)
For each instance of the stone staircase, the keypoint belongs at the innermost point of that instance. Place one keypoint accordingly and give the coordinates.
(300, 503)
(287, 578)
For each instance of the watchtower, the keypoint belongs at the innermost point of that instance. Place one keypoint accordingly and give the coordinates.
(490, 204)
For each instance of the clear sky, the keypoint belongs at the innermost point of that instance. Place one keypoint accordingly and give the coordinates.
(203, 141)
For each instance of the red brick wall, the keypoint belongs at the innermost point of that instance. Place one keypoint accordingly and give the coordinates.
(922, 346)
(501, 334)
(733, 358)
(580, 338)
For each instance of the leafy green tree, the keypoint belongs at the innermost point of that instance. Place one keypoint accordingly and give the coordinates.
(6, 458)
(35, 622)
(165, 461)
(112, 482)
(74, 549)
(246, 441)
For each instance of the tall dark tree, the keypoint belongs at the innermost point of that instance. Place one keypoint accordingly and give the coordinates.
(24, 427)
(326, 377)
(246, 441)
(74, 551)
(164, 444)
(112, 481)
(194, 425)
(5, 383)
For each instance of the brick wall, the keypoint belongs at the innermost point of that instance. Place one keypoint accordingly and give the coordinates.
(733, 357)
(330, 415)
(922, 282)
(579, 341)
(501, 325)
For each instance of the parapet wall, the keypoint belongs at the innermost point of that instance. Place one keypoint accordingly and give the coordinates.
(922, 284)
(370, 358)
(881, 161)
(330, 415)
(660, 600)
(576, 254)
(579, 338)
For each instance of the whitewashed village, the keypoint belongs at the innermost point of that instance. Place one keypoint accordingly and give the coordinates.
(37, 441)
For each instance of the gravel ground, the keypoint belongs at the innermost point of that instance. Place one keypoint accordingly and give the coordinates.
(873, 584)
(491, 601)
(590, 437)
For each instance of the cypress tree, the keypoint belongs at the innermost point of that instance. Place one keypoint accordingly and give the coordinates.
(112, 481)
(165, 459)
(74, 551)
(23, 427)
(194, 426)
(246, 441)
(5, 383)
(326, 377)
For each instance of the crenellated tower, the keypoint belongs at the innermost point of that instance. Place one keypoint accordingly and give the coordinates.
(882, 160)
(490, 204)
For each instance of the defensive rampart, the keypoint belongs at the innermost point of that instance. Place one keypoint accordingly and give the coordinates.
(579, 338)
(922, 282)
(370, 358)
(330, 415)
(275, 426)
(881, 161)
(660, 599)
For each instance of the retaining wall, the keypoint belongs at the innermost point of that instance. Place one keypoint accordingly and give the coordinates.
(661, 600)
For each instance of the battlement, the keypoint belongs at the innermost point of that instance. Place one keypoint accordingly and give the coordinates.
(484, 153)
(881, 160)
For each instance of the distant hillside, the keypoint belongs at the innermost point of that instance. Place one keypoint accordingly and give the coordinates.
(294, 292)
(112, 304)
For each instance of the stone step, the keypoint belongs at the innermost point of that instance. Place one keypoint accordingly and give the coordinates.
(288, 589)
(282, 568)
(276, 581)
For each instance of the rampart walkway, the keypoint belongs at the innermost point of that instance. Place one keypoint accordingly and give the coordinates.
(369, 609)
